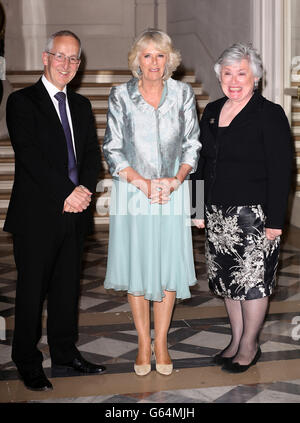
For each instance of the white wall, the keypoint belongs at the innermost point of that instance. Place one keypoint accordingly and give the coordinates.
(295, 4)
(202, 29)
(107, 28)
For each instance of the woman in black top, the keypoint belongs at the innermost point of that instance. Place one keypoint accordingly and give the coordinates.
(246, 162)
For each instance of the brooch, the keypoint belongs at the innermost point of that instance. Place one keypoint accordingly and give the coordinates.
(212, 121)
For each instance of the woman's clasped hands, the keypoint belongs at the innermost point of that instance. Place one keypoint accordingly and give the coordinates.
(163, 189)
(159, 190)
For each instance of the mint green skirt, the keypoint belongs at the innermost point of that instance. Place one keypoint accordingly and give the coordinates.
(150, 245)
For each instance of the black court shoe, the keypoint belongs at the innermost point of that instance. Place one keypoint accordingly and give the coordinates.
(219, 360)
(231, 367)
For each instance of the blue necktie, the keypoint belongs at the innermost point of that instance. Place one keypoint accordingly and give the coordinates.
(72, 167)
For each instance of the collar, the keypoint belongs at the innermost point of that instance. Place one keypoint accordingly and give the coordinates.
(255, 99)
(214, 110)
(52, 89)
(137, 98)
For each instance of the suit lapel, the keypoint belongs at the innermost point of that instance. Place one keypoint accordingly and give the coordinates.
(46, 104)
(53, 125)
(214, 116)
(47, 107)
(76, 121)
(240, 119)
(170, 98)
(250, 109)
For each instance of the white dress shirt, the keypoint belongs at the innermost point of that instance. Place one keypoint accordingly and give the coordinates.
(52, 90)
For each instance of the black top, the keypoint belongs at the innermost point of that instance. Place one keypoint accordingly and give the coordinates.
(250, 161)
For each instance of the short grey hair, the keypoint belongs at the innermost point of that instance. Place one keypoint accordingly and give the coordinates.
(163, 42)
(63, 33)
(235, 54)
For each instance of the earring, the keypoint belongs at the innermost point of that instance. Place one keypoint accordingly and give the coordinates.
(255, 84)
(165, 72)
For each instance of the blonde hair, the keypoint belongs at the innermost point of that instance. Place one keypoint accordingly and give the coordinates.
(162, 42)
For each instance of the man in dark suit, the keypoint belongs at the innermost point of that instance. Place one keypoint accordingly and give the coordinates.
(57, 162)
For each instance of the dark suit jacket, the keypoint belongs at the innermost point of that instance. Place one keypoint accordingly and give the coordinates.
(250, 161)
(41, 182)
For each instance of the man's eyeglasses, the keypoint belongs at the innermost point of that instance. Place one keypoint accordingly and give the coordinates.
(60, 57)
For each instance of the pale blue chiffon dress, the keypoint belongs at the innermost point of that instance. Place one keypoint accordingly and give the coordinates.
(150, 245)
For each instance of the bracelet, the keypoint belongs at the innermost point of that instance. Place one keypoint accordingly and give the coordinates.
(178, 183)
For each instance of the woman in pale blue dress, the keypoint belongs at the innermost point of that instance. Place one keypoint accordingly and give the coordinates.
(151, 144)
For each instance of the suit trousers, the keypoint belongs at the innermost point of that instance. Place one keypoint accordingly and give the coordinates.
(48, 264)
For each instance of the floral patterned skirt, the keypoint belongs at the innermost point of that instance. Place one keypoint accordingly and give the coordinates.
(241, 261)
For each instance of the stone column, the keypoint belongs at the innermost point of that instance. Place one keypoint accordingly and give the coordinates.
(272, 37)
(268, 38)
(144, 15)
(150, 14)
(161, 15)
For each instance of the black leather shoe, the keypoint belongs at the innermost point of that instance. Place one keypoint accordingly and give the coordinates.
(81, 365)
(231, 367)
(219, 360)
(35, 380)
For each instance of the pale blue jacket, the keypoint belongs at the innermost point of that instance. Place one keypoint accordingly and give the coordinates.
(154, 142)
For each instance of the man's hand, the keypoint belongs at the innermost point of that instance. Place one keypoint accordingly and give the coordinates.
(78, 200)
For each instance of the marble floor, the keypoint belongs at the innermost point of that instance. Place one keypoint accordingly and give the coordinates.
(199, 330)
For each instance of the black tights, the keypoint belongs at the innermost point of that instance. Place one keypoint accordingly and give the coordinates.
(246, 320)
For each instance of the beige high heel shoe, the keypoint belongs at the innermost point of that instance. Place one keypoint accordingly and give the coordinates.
(143, 369)
(163, 369)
